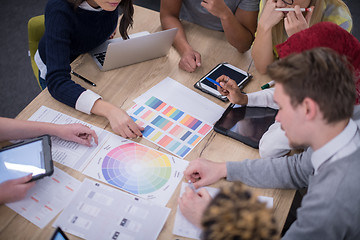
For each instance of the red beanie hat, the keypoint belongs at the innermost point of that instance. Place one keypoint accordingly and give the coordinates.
(325, 34)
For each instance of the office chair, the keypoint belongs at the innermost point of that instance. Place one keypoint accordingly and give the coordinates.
(36, 29)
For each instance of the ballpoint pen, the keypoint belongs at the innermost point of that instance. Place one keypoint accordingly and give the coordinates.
(82, 78)
(293, 9)
(213, 81)
(191, 185)
(268, 85)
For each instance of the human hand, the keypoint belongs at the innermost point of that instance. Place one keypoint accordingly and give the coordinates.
(203, 172)
(269, 17)
(190, 60)
(123, 125)
(15, 189)
(231, 90)
(295, 21)
(76, 132)
(193, 204)
(217, 8)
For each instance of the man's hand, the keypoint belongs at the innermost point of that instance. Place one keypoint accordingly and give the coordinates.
(190, 60)
(203, 172)
(231, 90)
(192, 205)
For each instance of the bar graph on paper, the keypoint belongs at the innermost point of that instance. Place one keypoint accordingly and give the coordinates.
(168, 126)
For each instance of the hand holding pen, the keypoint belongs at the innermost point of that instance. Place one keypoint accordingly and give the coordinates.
(231, 90)
(192, 204)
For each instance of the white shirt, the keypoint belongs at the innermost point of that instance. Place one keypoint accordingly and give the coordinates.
(344, 144)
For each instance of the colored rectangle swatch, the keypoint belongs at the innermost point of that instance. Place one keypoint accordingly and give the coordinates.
(139, 110)
(155, 103)
(205, 129)
(169, 127)
(165, 141)
(147, 131)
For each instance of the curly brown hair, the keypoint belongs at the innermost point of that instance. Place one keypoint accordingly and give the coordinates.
(236, 214)
(127, 19)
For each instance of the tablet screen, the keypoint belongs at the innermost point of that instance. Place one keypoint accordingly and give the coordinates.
(246, 124)
(22, 160)
(224, 70)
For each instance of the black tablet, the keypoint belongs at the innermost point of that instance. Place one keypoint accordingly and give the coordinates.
(246, 124)
(29, 156)
(207, 83)
(59, 235)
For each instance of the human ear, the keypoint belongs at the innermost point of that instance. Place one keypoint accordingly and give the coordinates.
(310, 108)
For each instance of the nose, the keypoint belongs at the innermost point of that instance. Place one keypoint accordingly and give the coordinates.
(277, 117)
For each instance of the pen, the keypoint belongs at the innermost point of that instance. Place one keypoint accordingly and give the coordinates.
(82, 78)
(191, 185)
(213, 81)
(292, 9)
(268, 85)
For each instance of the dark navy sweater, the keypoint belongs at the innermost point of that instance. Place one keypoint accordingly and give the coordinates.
(69, 33)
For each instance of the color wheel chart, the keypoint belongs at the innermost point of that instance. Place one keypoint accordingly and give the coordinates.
(137, 169)
(169, 127)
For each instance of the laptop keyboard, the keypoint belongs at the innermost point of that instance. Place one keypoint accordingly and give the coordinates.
(100, 57)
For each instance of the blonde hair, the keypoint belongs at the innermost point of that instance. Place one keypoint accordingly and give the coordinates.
(278, 31)
(235, 213)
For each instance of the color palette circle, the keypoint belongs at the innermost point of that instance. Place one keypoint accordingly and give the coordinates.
(136, 168)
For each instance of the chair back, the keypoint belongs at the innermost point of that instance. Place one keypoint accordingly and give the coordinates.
(36, 29)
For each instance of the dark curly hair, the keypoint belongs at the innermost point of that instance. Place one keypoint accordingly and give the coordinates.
(236, 214)
(127, 19)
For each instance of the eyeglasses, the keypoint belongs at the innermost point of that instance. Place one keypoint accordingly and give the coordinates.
(288, 2)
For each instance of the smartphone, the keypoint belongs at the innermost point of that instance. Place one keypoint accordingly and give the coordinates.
(29, 156)
(240, 76)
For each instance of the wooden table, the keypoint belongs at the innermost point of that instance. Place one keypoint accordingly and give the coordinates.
(121, 86)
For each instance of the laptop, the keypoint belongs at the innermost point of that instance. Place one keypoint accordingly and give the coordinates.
(143, 46)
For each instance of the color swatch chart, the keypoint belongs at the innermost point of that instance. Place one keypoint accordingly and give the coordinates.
(137, 169)
(152, 169)
(168, 126)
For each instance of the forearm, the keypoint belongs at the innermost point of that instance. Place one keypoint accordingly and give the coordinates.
(180, 43)
(236, 34)
(103, 108)
(286, 172)
(262, 50)
(12, 129)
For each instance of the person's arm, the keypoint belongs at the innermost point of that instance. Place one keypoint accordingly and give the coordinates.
(13, 129)
(286, 172)
(63, 89)
(262, 50)
(169, 17)
(240, 28)
(274, 142)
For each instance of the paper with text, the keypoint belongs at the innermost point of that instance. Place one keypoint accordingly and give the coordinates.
(47, 198)
(98, 211)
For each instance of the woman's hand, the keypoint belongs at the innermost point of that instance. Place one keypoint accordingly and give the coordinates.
(295, 21)
(269, 17)
(76, 132)
(123, 125)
